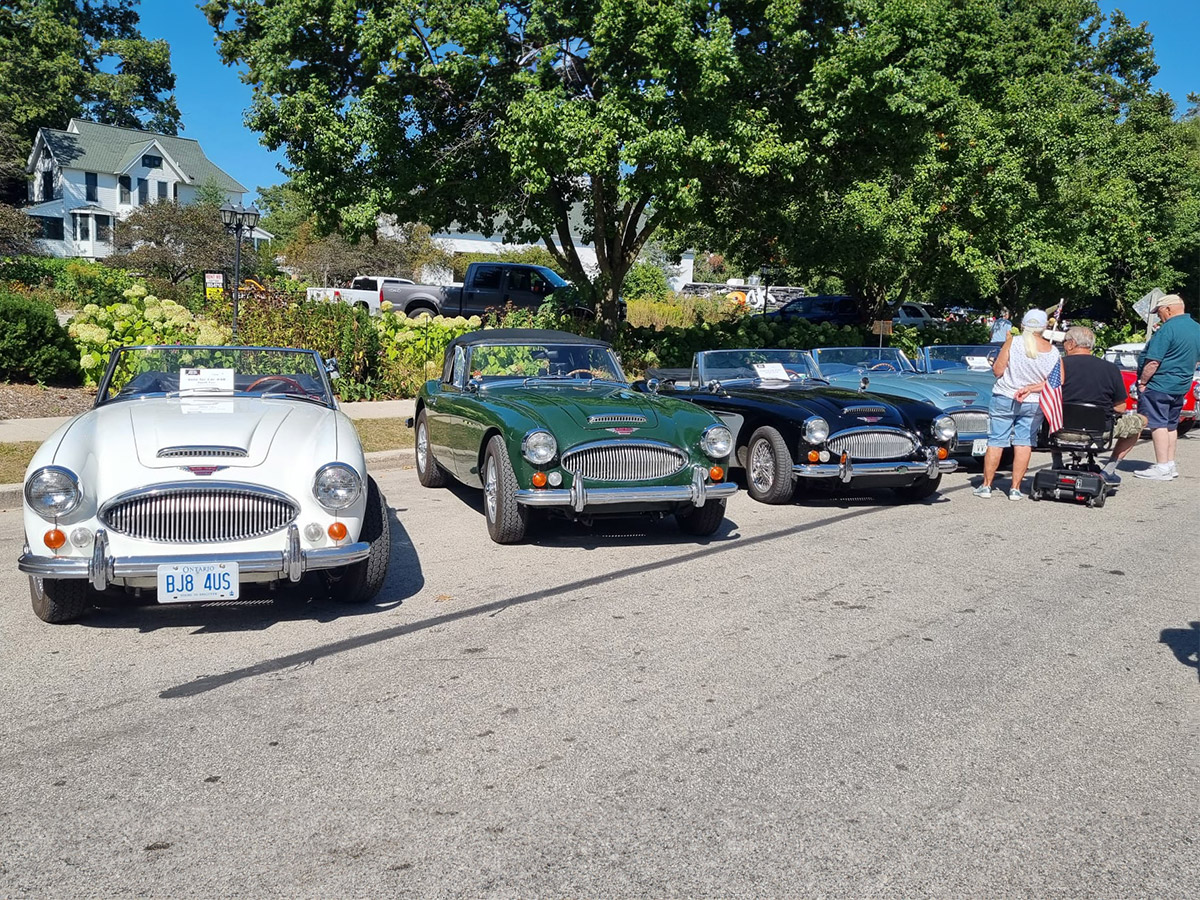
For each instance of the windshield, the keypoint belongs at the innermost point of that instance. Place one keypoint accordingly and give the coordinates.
(961, 356)
(551, 362)
(214, 371)
(839, 360)
(759, 365)
(553, 277)
(1125, 359)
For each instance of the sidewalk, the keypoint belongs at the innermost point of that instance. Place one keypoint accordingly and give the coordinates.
(16, 430)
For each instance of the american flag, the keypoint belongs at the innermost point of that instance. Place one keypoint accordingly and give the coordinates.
(1051, 399)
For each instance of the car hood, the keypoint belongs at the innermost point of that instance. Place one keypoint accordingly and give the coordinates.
(833, 404)
(588, 406)
(943, 389)
(233, 432)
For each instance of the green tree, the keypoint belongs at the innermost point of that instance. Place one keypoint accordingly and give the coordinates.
(172, 241)
(284, 209)
(508, 117)
(331, 259)
(17, 232)
(87, 58)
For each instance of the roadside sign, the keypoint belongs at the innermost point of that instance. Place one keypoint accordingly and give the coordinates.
(214, 285)
(1142, 307)
(881, 327)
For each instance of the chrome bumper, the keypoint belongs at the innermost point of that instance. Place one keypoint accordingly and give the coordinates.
(102, 570)
(847, 468)
(579, 496)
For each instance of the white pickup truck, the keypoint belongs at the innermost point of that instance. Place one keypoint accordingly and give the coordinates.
(365, 291)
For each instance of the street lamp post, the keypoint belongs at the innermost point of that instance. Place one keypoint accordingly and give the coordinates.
(237, 219)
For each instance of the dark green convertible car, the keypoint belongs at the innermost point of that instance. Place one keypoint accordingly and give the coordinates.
(546, 420)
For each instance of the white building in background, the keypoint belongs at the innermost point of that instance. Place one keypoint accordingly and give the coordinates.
(90, 175)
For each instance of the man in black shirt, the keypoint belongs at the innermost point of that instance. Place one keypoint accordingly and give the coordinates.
(1090, 379)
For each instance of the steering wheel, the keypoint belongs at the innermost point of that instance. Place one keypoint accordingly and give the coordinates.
(290, 382)
(587, 372)
(885, 366)
(798, 376)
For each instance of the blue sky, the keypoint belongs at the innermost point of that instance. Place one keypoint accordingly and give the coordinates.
(212, 98)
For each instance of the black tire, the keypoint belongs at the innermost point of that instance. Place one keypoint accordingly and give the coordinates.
(58, 600)
(1185, 425)
(361, 581)
(429, 473)
(926, 487)
(1035, 494)
(702, 520)
(417, 310)
(769, 476)
(507, 520)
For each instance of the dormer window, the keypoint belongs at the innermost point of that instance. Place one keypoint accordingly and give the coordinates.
(150, 161)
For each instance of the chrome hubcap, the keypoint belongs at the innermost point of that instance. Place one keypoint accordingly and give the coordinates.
(489, 488)
(422, 446)
(762, 466)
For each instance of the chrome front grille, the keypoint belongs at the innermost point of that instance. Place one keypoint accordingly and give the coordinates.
(970, 422)
(865, 411)
(873, 443)
(191, 452)
(186, 514)
(624, 461)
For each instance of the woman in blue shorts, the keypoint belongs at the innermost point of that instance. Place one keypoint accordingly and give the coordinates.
(1014, 415)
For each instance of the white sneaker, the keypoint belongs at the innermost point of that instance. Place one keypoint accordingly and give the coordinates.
(1174, 472)
(1155, 472)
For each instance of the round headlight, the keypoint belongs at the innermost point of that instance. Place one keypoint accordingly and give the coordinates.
(944, 428)
(816, 430)
(539, 447)
(717, 442)
(336, 486)
(52, 491)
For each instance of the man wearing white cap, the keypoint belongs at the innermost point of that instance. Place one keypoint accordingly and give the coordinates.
(1169, 361)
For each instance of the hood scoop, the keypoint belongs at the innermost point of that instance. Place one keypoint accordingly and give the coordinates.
(865, 411)
(206, 452)
(616, 419)
(962, 393)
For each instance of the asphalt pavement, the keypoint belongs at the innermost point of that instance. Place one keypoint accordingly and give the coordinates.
(848, 697)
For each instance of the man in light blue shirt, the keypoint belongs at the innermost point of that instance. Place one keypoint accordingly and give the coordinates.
(1001, 326)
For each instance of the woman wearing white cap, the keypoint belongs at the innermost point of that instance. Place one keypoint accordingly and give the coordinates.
(1014, 415)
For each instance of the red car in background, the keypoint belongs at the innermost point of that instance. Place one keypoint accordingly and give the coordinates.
(1125, 356)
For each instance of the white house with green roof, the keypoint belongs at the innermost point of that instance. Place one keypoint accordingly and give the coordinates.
(89, 175)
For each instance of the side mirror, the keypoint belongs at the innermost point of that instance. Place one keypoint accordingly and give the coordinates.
(862, 385)
(331, 369)
(473, 386)
(652, 385)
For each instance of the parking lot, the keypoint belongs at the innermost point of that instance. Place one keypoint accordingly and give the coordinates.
(849, 697)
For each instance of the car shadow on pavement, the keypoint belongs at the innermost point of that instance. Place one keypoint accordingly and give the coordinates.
(259, 607)
(1184, 644)
(207, 683)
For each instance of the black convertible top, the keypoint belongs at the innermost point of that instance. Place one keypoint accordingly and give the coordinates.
(522, 336)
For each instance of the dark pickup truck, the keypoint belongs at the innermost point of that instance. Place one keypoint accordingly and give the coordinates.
(487, 285)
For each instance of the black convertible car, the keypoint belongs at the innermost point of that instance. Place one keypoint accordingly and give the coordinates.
(788, 424)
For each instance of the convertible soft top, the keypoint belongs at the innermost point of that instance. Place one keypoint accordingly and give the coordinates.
(522, 336)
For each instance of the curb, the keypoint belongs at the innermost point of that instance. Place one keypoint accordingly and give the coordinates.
(377, 461)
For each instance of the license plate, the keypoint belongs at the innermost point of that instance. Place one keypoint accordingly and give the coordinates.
(197, 582)
(979, 446)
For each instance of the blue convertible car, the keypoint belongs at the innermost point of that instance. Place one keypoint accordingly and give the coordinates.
(959, 392)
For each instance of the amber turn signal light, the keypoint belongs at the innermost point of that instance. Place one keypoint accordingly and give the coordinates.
(55, 539)
(539, 479)
(716, 473)
(337, 531)
(813, 456)
(942, 453)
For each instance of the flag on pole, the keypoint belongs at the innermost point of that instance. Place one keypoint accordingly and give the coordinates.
(1051, 399)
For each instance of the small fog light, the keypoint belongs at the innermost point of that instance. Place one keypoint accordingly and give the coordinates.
(55, 539)
(555, 479)
(716, 473)
(539, 479)
(813, 455)
(81, 537)
(942, 453)
(314, 532)
(824, 456)
(337, 531)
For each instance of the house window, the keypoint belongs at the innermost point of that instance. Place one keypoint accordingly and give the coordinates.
(82, 229)
(89, 179)
(150, 161)
(162, 190)
(143, 192)
(175, 191)
(104, 228)
(47, 184)
(52, 227)
(124, 183)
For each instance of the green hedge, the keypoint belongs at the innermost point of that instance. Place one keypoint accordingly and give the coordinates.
(33, 346)
(70, 283)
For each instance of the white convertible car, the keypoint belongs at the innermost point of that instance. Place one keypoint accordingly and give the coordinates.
(199, 470)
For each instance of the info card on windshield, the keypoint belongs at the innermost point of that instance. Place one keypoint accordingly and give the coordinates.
(771, 371)
(215, 380)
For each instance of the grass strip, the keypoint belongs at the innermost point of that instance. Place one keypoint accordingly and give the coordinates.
(13, 460)
(383, 434)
